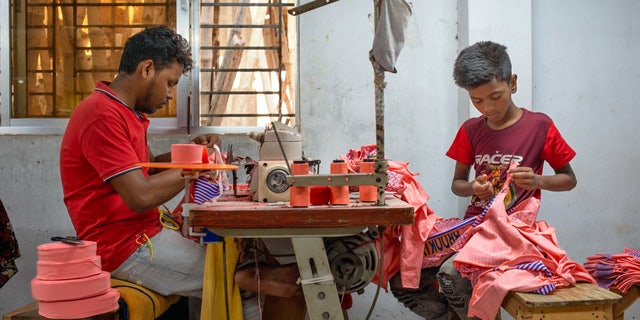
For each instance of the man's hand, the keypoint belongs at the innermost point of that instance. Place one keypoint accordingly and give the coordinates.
(525, 178)
(207, 140)
(482, 187)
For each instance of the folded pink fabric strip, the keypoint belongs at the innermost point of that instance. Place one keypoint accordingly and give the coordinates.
(617, 271)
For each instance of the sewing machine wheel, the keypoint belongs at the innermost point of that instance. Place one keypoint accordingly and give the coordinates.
(277, 181)
(353, 261)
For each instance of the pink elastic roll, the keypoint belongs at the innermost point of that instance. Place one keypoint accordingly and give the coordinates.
(83, 308)
(61, 252)
(71, 289)
(68, 270)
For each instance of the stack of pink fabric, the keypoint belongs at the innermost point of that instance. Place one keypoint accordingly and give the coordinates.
(618, 271)
(70, 283)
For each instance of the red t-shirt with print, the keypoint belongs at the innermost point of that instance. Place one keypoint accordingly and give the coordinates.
(531, 141)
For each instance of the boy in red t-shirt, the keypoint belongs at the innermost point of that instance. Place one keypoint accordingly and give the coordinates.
(502, 134)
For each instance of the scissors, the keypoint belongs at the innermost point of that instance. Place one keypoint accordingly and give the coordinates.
(68, 239)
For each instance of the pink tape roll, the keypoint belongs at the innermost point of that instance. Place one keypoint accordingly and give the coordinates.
(60, 252)
(68, 270)
(83, 308)
(189, 153)
(70, 289)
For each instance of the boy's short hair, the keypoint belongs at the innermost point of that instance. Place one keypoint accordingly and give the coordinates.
(160, 44)
(481, 62)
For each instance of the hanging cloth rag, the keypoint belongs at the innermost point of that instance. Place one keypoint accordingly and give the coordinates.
(9, 250)
(390, 33)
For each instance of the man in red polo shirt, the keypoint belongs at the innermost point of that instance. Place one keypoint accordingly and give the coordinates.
(114, 202)
(110, 199)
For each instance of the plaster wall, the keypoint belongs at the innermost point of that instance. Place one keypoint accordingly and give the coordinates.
(577, 62)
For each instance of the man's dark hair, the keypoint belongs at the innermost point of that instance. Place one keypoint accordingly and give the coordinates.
(160, 44)
(481, 62)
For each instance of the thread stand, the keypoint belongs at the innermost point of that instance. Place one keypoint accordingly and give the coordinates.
(378, 179)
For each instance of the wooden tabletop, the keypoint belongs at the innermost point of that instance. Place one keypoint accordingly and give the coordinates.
(575, 295)
(243, 213)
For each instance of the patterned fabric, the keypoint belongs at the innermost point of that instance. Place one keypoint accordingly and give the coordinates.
(205, 190)
(9, 250)
(619, 271)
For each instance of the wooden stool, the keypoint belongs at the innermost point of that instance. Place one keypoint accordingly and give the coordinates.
(142, 303)
(578, 302)
(30, 312)
(627, 300)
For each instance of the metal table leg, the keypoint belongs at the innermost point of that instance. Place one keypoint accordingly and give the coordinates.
(319, 288)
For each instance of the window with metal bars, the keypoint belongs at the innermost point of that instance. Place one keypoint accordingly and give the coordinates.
(59, 48)
(247, 50)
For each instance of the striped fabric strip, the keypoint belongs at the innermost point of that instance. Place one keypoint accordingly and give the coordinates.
(632, 252)
(204, 190)
(539, 266)
(483, 213)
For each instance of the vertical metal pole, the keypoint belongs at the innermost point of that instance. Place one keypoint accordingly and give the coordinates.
(378, 80)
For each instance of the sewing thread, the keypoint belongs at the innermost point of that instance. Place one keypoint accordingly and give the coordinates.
(339, 194)
(299, 196)
(367, 193)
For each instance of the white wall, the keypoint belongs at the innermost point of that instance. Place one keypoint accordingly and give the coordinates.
(577, 61)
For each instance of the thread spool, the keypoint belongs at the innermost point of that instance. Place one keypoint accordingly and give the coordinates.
(299, 196)
(338, 194)
(368, 193)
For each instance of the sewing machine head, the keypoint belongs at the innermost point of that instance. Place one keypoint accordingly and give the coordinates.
(279, 144)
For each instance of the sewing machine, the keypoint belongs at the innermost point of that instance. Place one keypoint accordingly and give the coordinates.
(279, 146)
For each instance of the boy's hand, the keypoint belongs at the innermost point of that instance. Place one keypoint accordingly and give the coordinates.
(525, 178)
(482, 187)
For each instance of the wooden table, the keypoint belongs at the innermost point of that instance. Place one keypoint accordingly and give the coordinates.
(242, 218)
(628, 298)
(580, 301)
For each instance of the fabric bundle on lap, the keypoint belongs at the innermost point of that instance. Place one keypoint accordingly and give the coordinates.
(615, 271)
(70, 283)
(513, 253)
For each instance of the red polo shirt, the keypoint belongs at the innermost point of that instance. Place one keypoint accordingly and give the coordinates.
(104, 139)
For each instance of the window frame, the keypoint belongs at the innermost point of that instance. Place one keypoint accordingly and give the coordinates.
(185, 121)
